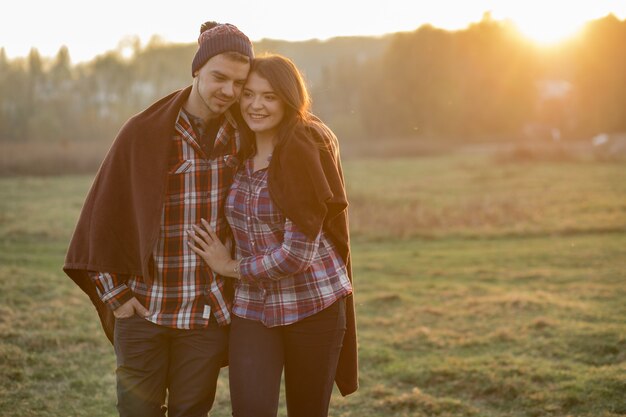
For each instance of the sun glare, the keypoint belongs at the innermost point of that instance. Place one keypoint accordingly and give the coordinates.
(550, 33)
(548, 29)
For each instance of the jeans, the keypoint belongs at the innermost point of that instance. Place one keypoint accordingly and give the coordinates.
(153, 360)
(308, 350)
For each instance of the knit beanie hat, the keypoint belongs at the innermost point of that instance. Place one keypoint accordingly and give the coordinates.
(216, 38)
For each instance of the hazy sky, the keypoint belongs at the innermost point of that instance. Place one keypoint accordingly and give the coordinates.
(89, 28)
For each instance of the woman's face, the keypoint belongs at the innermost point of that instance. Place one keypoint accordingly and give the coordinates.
(261, 108)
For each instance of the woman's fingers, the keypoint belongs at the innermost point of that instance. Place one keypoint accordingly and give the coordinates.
(195, 248)
(202, 233)
(202, 243)
(209, 229)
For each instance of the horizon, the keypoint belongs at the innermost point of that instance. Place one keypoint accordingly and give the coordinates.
(124, 45)
(90, 34)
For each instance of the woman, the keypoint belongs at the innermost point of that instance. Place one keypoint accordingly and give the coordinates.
(293, 306)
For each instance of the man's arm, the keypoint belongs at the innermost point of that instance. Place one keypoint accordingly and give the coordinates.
(114, 292)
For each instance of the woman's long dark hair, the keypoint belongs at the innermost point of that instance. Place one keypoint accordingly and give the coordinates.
(288, 84)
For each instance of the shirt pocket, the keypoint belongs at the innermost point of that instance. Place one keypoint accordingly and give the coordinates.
(182, 167)
(264, 210)
(186, 179)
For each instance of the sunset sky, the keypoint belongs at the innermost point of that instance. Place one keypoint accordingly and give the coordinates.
(91, 28)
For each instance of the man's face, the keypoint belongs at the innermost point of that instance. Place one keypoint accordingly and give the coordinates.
(218, 85)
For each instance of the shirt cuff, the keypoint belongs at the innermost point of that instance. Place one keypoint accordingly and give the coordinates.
(246, 274)
(117, 296)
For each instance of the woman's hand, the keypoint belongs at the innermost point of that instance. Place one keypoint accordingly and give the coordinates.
(204, 242)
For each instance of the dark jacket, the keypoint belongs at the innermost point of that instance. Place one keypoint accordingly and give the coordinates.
(305, 180)
(119, 224)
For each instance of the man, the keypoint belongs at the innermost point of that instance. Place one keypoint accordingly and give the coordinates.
(166, 313)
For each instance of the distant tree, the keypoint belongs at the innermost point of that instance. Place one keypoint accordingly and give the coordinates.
(496, 75)
(104, 88)
(60, 115)
(5, 100)
(336, 96)
(4, 62)
(61, 70)
(480, 81)
(438, 83)
(159, 69)
(599, 85)
(29, 111)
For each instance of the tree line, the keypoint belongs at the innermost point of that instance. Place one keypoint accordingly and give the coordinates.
(485, 81)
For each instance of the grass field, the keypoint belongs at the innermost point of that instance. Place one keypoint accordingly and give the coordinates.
(484, 287)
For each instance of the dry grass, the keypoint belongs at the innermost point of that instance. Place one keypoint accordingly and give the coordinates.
(472, 195)
(504, 298)
(51, 158)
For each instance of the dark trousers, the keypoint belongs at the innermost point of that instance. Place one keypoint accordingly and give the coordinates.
(153, 360)
(308, 350)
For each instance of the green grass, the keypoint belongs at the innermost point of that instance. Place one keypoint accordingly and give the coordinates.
(483, 288)
(465, 195)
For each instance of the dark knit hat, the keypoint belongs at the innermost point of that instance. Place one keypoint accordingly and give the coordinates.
(216, 38)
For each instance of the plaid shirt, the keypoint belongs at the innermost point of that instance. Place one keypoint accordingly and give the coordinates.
(184, 291)
(285, 276)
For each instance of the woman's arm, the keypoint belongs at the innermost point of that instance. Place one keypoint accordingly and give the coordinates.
(294, 255)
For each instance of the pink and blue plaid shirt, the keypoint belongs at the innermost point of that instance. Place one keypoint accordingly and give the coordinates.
(285, 276)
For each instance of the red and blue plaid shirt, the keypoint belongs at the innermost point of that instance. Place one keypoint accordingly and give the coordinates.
(184, 292)
(285, 276)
